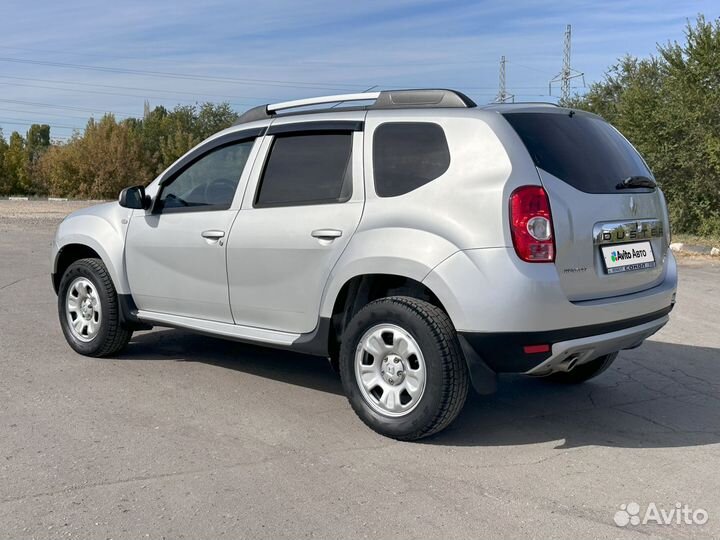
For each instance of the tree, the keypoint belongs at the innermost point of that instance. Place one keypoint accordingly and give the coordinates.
(15, 166)
(111, 155)
(212, 118)
(669, 107)
(97, 164)
(692, 114)
(4, 176)
(37, 143)
(38, 140)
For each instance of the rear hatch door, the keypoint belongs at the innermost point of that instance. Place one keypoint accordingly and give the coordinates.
(609, 240)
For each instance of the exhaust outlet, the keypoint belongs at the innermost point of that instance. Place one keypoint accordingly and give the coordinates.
(568, 364)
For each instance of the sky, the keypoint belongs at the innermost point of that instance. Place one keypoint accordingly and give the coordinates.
(62, 62)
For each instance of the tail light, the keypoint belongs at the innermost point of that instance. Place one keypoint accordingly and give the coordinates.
(531, 224)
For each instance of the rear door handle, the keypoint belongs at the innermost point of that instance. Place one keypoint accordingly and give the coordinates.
(326, 234)
(213, 235)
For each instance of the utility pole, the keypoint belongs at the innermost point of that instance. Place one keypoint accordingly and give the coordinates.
(567, 73)
(503, 96)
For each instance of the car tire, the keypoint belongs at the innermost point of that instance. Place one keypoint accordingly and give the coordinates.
(89, 311)
(583, 372)
(416, 382)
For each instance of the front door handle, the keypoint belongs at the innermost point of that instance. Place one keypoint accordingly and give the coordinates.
(326, 234)
(213, 235)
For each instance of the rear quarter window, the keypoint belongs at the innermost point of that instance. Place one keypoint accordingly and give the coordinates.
(407, 155)
(582, 150)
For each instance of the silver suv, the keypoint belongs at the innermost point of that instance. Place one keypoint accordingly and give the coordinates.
(422, 243)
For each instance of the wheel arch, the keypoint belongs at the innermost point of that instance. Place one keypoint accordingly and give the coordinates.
(86, 248)
(76, 247)
(362, 289)
(359, 290)
(67, 255)
(100, 230)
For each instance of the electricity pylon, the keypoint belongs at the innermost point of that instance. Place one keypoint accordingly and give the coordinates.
(503, 96)
(567, 73)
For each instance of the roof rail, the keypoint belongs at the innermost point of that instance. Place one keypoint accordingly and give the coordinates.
(340, 98)
(386, 99)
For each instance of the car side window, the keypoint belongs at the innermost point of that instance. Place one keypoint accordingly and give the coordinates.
(407, 155)
(307, 168)
(208, 183)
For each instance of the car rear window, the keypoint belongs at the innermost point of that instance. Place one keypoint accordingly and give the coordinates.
(584, 151)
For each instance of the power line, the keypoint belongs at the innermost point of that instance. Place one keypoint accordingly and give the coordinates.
(264, 99)
(45, 113)
(164, 74)
(57, 126)
(438, 62)
(543, 72)
(68, 107)
(535, 87)
(268, 82)
(115, 87)
(22, 121)
(108, 93)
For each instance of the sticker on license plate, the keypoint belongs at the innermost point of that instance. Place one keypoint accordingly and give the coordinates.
(627, 257)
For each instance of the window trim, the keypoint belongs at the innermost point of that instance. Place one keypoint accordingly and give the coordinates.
(407, 122)
(171, 174)
(322, 125)
(322, 128)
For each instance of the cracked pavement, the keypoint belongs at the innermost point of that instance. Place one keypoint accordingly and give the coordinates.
(184, 436)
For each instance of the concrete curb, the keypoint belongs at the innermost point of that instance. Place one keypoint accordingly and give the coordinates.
(52, 199)
(694, 249)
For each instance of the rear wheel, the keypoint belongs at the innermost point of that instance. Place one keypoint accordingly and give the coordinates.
(88, 310)
(402, 368)
(584, 372)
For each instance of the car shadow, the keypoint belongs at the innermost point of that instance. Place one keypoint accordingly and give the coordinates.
(280, 365)
(659, 395)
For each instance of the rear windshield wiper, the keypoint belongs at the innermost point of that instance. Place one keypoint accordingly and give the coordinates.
(637, 182)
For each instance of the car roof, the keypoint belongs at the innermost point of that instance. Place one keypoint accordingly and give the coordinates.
(527, 106)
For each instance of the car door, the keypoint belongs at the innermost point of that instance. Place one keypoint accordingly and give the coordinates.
(175, 253)
(298, 215)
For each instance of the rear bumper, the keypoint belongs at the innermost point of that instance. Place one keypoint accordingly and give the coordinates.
(492, 291)
(504, 351)
(499, 304)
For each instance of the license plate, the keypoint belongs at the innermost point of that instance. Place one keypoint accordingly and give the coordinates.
(627, 257)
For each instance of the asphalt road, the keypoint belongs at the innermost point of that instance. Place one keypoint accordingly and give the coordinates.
(191, 437)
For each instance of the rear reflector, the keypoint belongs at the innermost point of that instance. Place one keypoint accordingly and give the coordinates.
(531, 224)
(532, 349)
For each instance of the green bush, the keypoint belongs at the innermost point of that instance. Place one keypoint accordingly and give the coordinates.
(668, 106)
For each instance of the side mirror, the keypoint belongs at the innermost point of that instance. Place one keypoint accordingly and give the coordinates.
(134, 197)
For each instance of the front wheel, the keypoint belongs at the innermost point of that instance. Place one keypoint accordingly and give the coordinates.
(402, 368)
(88, 310)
